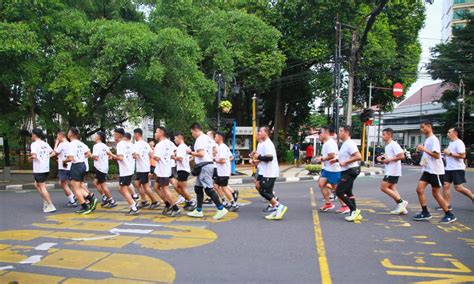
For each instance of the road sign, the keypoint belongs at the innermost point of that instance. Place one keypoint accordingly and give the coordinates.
(397, 90)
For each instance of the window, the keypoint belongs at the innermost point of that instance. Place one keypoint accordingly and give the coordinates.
(412, 141)
(459, 14)
(463, 1)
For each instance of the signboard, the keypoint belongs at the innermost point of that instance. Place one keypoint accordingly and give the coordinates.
(397, 90)
(243, 130)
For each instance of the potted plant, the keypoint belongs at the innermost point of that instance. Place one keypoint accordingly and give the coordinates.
(225, 106)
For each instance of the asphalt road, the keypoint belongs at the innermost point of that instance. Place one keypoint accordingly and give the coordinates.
(306, 247)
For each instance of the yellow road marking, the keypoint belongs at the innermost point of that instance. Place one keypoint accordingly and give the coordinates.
(72, 259)
(318, 237)
(459, 266)
(443, 278)
(30, 278)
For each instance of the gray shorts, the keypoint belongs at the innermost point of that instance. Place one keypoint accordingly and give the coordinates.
(205, 177)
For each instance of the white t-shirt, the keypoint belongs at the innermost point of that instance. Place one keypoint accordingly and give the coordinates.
(348, 148)
(126, 166)
(330, 146)
(100, 150)
(205, 143)
(181, 152)
(223, 152)
(42, 151)
(456, 147)
(269, 169)
(172, 161)
(215, 151)
(61, 150)
(142, 149)
(393, 168)
(77, 149)
(430, 164)
(259, 165)
(163, 150)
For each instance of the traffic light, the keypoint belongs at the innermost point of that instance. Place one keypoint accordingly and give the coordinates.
(366, 115)
(260, 108)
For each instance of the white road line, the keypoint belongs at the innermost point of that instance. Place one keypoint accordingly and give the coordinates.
(95, 238)
(32, 259)
(143, 225)
(6, 267)
(134, 231)
(45, 246)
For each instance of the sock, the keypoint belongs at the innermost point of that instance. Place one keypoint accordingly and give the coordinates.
(104, 197)
(90, 197)
(399, 201)
(133, 207)
(167, 204)
(424, 209)
(84, 206)
(135, 196)
(199, 209)
(71, 198)
(220, 207)
(175, 207)
(448, 213)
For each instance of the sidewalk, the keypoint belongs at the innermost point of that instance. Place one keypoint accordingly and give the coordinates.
(23, 180)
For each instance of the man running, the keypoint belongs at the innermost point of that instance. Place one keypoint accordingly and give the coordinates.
(331, 172)
(203, 153)
(433, 174)
(455, 166)
(127, 137)
(141, 153)
(392, 159)
(349, 156)
(64, 170)
(270, 172)
(41, 153)
(77, 154)
(100, 155)
(222, 160)
(162, 155)
(124, 157)
(183, 170)
(174, 170)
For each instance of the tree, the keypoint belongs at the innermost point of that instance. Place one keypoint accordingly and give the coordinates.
(452, 62)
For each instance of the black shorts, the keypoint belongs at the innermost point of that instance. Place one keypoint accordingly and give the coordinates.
(40, 177)
(125, 180)
(162, 181)
(174, 173)
(391, 179)
(142, 177)
(183, 175)
(78, 171)
(64, 175)
(259, 178)
(214, 174)
(267, 184)
(222, 181)
(432, 179)
(152, 170)
(456, 177)
(101, 177)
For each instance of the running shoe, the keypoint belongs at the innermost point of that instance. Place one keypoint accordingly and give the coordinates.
(207, 201)
(132, 212)
(269, 208)
(143, 204)
(154, 205)
(190, 206)
(49, 208)
(174, 213)
(234, 208)
(180, 200)
(111, 204)
(227, 205)
(448, 219)
(422, 216)
(441, 209)
(271, 216)
(104, 201)
(196, 214)
(71, 204)
(165, 210)
(332, 197)
(235, 195)
(135, 197)
(343, 210)
(281, 210)
(94, 204)
(401, 208)
(326, 207)
(82, 210)
(353, 216)
(87, 211)
(220, 213)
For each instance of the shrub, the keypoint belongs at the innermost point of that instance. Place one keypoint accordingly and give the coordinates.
(313, 169)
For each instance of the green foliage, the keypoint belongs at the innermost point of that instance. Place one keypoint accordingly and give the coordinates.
(313, 169)
(316, 120)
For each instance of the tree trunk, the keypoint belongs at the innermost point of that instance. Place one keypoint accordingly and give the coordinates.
(278, 113)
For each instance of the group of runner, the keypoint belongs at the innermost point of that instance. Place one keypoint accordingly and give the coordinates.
(168, 162)
(340, 168)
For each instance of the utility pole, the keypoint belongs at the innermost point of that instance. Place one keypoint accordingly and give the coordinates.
(463, 108)
(337, 79)
(254, 125)
(277, 113)
(351, 78)
(366, 158)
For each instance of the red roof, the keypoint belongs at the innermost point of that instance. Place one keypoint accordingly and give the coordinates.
(428, 94)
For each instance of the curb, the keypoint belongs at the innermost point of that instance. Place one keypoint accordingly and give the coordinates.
(232, 181)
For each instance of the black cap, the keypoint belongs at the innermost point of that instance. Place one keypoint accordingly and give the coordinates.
(38, 132)
(128, 135)
(120, 131)
(101, 135)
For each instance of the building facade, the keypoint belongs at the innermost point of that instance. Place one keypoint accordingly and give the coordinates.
(452, 17)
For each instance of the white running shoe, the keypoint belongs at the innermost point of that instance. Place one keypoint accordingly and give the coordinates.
(354, 216)
(49, 208)
(196, 214)
(401, 209)
(220, 213)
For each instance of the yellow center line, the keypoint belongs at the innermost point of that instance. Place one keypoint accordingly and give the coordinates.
(318, 237)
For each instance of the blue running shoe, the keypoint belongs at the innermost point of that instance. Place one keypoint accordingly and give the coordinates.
(422, 217)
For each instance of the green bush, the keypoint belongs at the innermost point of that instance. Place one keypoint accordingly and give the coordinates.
(289, 157)
(313, 169)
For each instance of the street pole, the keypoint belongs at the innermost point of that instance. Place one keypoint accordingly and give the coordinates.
(366, 158)
(254, 125)
(234, 130)
(351, 79)
(337, 79)
(463, 109)
(421, 106)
